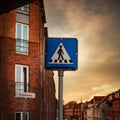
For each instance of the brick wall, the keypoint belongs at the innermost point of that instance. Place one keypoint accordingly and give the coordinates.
(8, 59)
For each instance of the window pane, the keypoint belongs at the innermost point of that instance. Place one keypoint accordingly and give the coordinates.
(25, 79)
(18, 41)
(25, 32)
(18, 116)
(18, 44)
(25, 38)
(20, 8)
(18, 74)
(26, 8)
(18, 31)
(23, 69)
(25, 115)
(17, 86)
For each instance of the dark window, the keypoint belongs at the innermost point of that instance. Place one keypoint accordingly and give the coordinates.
(21, 116)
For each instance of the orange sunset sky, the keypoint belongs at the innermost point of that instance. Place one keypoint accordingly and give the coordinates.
(96, 25)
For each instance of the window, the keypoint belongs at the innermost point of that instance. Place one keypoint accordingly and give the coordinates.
(22, 38)
(21, 116)
(24, 8)
(22, 30)
(21, 79)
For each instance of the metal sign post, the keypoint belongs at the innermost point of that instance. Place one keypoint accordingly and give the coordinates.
(24, 109)
(61, 55)
(25, 95)
(60, 94)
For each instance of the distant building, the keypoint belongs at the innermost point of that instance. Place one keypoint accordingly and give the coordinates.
(109, 107)
(22, 56)
(114, 106)
(72, 111)
(102, 108)
(89, 109)
(98, 108)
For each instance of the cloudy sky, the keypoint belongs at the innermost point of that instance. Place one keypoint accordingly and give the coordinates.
(96, 25)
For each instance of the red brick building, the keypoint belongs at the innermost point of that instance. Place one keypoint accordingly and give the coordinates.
(114, 106)
(22, 51)
(72, 111)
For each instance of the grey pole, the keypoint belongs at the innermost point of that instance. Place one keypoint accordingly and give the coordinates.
(60, 94)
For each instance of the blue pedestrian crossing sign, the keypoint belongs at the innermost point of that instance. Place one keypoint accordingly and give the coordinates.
(61, 53)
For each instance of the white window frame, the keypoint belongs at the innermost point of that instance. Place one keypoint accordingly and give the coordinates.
(19, 78)
(22, 115)
(22, 40)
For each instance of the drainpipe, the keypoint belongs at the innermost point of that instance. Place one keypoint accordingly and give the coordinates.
(3, 65)
(41, 84)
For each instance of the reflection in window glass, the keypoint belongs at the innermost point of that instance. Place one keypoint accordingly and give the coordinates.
(24, 8)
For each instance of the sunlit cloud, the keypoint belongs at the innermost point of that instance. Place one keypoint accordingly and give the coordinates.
(99, 88)
(96, 25)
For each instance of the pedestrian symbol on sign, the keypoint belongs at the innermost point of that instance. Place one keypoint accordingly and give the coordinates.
(60, 53)
(60, 56)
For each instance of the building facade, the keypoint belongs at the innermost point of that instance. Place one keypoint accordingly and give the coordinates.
(22, 51)
(72, 111)
(109, 107)
(89, 109)
(102, 108)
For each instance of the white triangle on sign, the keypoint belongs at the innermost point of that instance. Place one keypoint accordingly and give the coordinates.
(60, 56)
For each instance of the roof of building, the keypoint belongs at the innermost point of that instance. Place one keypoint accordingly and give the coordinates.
(7, 5)
(107, 96)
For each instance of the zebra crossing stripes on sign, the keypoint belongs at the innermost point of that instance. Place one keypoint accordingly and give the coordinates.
(60, 56)
(61, 53)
